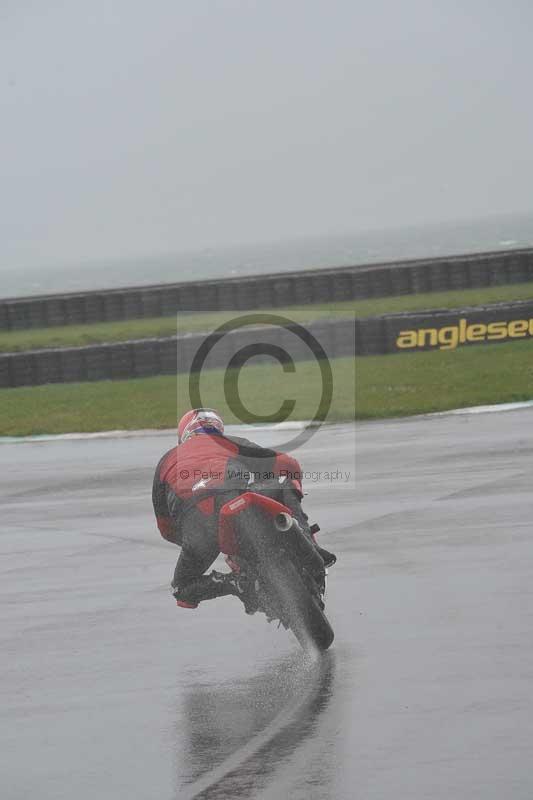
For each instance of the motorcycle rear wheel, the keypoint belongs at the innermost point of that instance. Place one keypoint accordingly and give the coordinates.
(301, 608)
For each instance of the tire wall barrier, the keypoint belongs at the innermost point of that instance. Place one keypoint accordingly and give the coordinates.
(393, 333)
(444, 329)
(148, 357)
(270, 291)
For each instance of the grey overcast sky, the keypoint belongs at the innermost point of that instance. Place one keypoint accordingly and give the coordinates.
(132, 127)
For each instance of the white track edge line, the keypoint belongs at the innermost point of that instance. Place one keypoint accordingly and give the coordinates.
(144, 432)
(491, 409)
(278, 426)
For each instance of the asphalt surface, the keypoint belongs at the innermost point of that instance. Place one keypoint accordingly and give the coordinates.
(108, 690)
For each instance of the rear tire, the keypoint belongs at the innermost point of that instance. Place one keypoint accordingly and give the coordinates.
(301, 609)
(298, 607)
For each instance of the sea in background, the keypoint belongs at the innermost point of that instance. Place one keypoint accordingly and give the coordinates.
(450, 238)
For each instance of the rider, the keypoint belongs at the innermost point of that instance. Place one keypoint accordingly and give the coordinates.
(193, 481)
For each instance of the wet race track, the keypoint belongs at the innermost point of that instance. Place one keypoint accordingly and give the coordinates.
(108, 690)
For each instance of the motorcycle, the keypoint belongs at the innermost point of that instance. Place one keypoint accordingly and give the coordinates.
(264, 544)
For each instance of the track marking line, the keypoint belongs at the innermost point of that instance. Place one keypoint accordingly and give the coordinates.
(145, 432)
(484, 409)
(278, 426)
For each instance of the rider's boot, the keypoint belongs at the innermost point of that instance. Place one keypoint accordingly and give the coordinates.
(245, 590)
(240, 586)
(216, 584)
(328, 558)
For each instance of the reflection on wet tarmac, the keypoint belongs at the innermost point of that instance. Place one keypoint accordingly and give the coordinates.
(253, 726)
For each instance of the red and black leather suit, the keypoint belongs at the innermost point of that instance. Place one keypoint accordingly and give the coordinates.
(193, 480)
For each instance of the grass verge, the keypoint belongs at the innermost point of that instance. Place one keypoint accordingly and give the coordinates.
(79, 335)
(157, 327)
(408, 383)
(385, 386)
(157, 402)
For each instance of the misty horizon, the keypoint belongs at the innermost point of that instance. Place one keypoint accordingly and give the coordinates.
(336, 250)
(132, 132)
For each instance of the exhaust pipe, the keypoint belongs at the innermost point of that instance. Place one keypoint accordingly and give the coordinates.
(283, 522)
(303, 545)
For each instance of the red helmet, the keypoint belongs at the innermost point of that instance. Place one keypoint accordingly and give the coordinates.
(199, 420)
